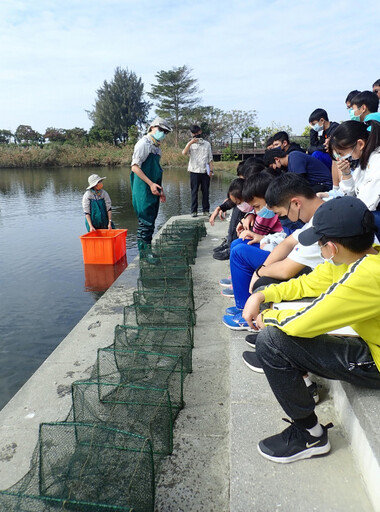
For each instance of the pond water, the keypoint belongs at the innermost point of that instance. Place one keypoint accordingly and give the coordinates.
(44, 286)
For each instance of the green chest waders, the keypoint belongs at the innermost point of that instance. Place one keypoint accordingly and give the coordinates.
(146, 204)
(99, 217)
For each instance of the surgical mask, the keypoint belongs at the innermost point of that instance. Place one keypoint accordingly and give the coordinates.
(159, 135)
(266, 213)
(244, 207)
(328, 260)
(317, 127)
(353, 117)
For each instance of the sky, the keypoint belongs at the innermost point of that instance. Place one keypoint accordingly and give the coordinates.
(280, 58)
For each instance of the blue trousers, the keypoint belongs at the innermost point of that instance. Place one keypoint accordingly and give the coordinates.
(244, 260)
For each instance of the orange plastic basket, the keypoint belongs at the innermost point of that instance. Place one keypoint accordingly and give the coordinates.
(104, 246)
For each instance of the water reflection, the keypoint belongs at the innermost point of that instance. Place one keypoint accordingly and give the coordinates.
(44, 285)
(100, 277)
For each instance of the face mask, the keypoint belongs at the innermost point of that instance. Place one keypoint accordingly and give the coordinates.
(317, 127)
(244, 207)
(266, 213)
(327, 260)
(159, 135)
(353, 117)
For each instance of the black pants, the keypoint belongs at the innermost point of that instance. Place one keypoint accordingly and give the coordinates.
(200, 180)
(286, 359)
(236, 216)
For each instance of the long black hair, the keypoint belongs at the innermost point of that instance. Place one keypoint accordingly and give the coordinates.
(348, 133)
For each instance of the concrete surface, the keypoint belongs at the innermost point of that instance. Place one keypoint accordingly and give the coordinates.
(215, 465)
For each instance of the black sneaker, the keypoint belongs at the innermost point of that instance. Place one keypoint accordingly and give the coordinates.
(222, 246)
(222, 255)
(294, 443)
(251, 339)
(313, 391)
(252, 361)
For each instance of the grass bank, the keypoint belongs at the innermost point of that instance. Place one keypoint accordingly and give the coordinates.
(102, 155)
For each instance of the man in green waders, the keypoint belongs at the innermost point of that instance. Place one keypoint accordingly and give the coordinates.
(146, 179)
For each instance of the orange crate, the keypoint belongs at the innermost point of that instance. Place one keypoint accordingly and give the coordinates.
(104, 246)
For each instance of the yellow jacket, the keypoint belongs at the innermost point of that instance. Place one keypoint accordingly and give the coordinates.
(346, 295)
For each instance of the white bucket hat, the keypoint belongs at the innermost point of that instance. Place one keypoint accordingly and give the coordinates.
(161, 123)
(93, 180)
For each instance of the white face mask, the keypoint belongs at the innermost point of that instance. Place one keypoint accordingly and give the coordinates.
(329, 260)
(317, 127)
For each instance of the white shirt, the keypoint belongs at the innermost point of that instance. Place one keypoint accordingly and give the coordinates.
(365, 183)
(142, 150)
(308, 255)
(200, 155)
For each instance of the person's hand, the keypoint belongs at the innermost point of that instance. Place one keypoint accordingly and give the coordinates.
(222, 215)
(256, 239)
(251, 310)
(322, 194)
(326, 144)
(239, 228)
(248, 221)
(259, 322)
(109, 224)
(156, 189)
(162, 197)
(213, 216)
(92, 228)
(343, 167)
(254, 278)
(246, 234)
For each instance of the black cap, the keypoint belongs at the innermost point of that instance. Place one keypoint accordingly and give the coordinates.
(341, 217)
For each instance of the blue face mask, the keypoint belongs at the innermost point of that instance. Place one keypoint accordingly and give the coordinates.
(353, 117)
(266, 213)
(159, 135)
(317, 127)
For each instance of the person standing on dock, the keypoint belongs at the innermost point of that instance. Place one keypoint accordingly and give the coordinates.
(200, 169)
(146, 179)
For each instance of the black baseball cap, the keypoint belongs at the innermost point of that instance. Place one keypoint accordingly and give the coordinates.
(341, 217)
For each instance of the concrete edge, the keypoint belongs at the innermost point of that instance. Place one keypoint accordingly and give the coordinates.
(363, 453)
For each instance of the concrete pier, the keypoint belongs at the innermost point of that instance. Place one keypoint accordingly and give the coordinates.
(215, 465)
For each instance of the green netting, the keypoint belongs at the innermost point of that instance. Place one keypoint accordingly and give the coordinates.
(167, 243)
(158, 316)
(152, 278)
(167, 300)
(198, 225)
(155, 295)
(170, 340)
(189, 240)
(163, 271)
(141, 368)
(87, 468)
(161, 255)
(143, 410)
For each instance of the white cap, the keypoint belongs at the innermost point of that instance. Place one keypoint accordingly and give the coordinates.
(93, 180)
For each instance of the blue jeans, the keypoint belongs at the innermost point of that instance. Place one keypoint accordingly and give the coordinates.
(244, 260)
(285, 360)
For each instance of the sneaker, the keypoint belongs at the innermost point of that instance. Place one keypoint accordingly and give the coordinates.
(222, 246)
(228, 292)
(313, 391)
(236, 323)
(251, 339)
(206, 214)
(233, 310)
(222, 255)
(227, 281)
(252, 361)
(194, 214)
(294, 443)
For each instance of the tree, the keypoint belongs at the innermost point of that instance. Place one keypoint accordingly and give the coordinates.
(96, 135)
(55, 134)
(26, 135)
(119, 104)
(237, 121)
(5, 136)
(175, 96)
